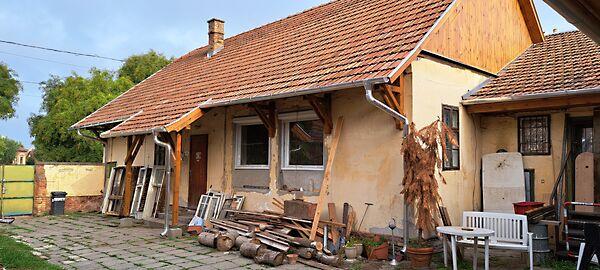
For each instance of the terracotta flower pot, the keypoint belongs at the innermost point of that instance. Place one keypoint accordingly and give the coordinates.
(420, 257)
(292, 258)
(379, 252)
(351, 253)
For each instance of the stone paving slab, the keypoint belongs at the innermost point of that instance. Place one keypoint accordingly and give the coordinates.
(92, 241)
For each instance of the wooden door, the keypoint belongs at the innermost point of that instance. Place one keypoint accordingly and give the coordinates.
(198, 168)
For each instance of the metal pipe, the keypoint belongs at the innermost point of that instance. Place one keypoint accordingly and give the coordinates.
(371, 99)
(167, 147)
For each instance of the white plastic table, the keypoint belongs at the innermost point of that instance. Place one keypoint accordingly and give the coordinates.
(475, 233)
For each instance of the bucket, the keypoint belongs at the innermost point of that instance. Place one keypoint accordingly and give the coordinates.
(541, 249)
(522, 207)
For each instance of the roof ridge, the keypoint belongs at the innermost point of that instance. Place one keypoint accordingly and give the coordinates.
(562, 33)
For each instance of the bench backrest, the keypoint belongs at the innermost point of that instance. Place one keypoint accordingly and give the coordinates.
(509, 228)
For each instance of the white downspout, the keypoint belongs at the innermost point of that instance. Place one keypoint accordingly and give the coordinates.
(375, 102)
(168, 169)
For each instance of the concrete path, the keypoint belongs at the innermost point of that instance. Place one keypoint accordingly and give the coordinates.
(95, 242)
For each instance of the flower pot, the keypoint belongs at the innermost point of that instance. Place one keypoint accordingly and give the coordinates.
(292, 258)
(359, 249)
(351, 253)
(379, 252)
(420, 257)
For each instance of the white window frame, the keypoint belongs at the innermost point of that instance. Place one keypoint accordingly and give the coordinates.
(238, 123)
(286, 118)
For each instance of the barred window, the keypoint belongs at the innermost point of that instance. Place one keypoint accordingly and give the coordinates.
(450, 118)
(534, 135)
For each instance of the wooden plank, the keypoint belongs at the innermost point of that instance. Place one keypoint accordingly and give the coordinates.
(177, 179)
(531, 20)
(326, 177)
(333, 218)
(127, 194)
(570, 101)
(185, 120)
(322, 107)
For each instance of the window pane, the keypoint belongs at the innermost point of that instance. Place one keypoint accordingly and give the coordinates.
(159, 155)
(254, 148)
(534, 135)
(306, 143)
(455, 118)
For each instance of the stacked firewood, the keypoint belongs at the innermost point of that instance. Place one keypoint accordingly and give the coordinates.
(268, 237)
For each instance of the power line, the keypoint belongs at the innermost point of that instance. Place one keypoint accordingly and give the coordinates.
(42, 59)
(61, 51)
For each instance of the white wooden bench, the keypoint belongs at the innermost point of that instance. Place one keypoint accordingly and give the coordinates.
(511, 231)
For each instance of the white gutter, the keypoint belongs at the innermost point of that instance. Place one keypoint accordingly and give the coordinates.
(90, 137)
(168, 169)
(553, 94)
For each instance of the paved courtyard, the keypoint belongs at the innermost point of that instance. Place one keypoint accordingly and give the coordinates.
(95, 242)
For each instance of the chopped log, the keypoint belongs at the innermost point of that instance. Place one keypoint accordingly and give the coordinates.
(306, 253)
(332, 260)
(207, 239)
(272, 258)
(242, 239)
(226, 241)
(250, 249)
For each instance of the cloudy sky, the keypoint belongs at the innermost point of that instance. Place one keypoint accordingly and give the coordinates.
(119, 29)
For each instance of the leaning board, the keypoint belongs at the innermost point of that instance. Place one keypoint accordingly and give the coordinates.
(503, 181)
(584, 180)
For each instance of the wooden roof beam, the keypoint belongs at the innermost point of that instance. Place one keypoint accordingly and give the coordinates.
(268, 116)
(322, 107)
(185, 120)
(535, 104)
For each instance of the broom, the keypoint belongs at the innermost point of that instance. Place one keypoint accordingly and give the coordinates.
(2, 219)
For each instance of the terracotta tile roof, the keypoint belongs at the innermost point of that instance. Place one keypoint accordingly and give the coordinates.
(564, 61)
(340, 42)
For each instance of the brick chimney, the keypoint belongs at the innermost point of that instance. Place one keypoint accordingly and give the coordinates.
(216, 31)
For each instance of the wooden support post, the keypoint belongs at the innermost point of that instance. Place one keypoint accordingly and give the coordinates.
(322, 107)
(133, 147)
(326, 177)
(596, 149)
(177, 180)
(267, 115)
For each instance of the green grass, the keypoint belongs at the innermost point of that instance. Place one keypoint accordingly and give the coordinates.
(15, 255)
(564, 265)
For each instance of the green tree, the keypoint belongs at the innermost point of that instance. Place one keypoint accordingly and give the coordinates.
(66, 101)
(8, 150)
(141, 66)
(9, 91)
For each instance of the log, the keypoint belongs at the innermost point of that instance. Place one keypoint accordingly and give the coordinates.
(250, 249)
(269, 257)
(242, 239)
(207, 239)
(226, 241)
(305, 253)
(332, 260)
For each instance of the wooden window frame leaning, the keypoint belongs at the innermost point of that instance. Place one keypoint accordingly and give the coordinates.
(456, 133)
(548, 135)
(238, 123)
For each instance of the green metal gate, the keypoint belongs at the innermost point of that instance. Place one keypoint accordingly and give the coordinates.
(16, 189)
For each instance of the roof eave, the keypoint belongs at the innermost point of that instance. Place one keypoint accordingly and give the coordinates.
(553, 94)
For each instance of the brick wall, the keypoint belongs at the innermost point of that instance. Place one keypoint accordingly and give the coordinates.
(77, 187)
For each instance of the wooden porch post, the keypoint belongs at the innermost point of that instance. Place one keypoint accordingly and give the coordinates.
(596, 149)
(133, 147)
(175, 216)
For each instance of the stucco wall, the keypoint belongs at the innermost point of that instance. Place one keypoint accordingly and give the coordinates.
(500, 132)
(435, 83)
(75, 179)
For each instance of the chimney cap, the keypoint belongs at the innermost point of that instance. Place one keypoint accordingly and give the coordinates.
(215, 19)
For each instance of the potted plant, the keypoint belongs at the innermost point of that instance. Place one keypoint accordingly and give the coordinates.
(377, 248)
(424, 151)
(350, 250)
(292, 257)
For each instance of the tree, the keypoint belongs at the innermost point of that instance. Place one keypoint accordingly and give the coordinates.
(8, 150)
(66, 101)
(9, 91)
(141, 66)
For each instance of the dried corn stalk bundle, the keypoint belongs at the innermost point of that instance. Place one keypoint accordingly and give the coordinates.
(423, 151)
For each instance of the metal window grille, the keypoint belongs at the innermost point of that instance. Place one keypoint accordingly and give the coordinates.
(534, 135)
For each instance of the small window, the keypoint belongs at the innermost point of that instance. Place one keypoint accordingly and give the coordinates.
(534, 135)
(450, 118)
(159, 155)
(302, 141)
(252, 144)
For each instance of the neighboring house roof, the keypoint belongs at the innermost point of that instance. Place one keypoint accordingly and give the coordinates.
(565, 63)
(341, 43)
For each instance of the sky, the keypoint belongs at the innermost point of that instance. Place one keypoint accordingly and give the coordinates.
(119, 29)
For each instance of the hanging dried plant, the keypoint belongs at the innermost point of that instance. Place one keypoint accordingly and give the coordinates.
(422, 171)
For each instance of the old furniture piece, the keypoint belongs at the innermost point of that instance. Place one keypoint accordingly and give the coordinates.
(511, 231)
(474, 233)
